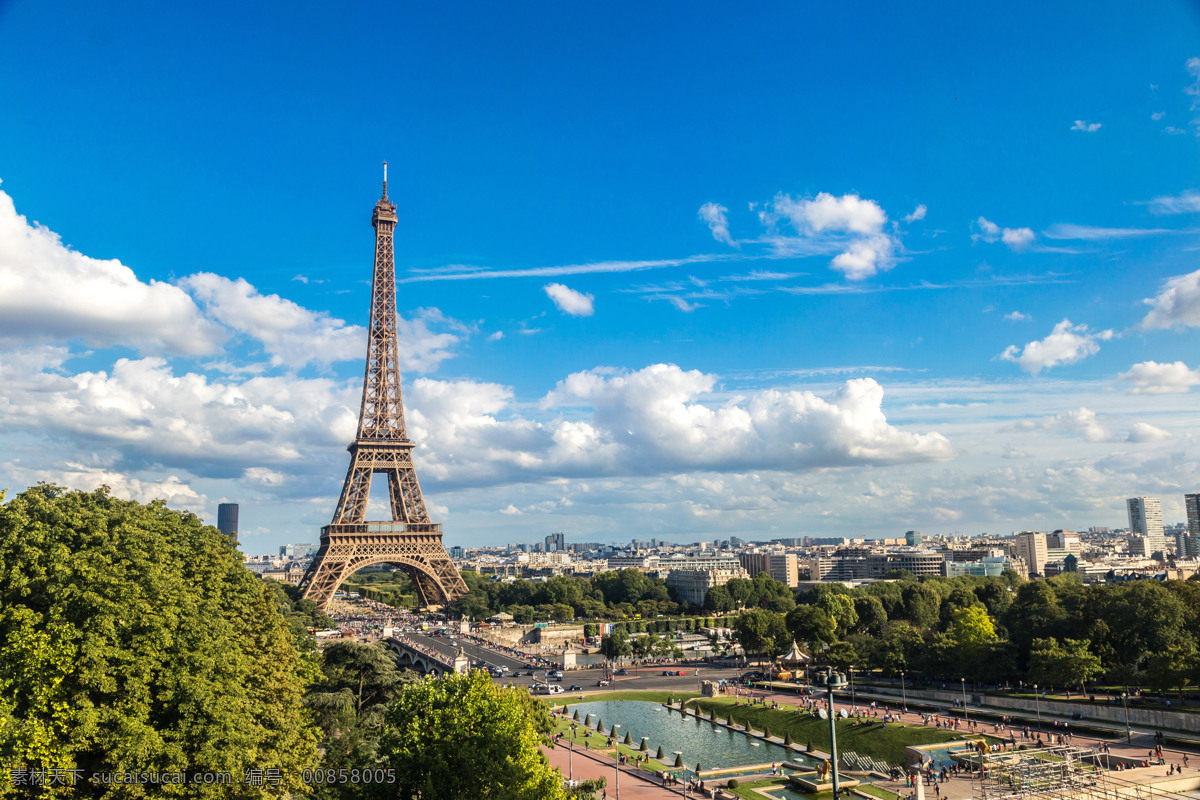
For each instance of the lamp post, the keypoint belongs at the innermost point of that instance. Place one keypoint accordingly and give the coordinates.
(903, 693)
(571, 755)
(966, 713)
(833, 680)
(853, 702)
(1037, 703)
(1128, 730)
(617, 761)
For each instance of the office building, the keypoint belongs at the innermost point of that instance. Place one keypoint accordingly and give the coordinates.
(691, 585)
(556, 542)
(456, 552)
(1145, 519)
(1192, 503)
(783, 567)
(227, 520)
(912, 538)
(1030, 546)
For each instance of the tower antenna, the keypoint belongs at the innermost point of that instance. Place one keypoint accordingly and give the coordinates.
(385, 180)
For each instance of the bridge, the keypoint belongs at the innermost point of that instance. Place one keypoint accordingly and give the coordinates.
(424, 659)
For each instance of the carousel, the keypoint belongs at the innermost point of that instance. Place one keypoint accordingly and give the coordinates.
(792, 664)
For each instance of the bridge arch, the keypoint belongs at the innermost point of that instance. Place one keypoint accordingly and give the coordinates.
(326, 575)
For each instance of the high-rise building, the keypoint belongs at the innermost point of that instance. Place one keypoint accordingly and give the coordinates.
(1145, 519)
(1030, 547)
(912, 538)
(227, 520)
(457, 552)
(1192, 503)
(556, 542)
(783, 567)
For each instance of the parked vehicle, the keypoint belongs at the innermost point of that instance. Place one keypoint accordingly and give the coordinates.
(622, 671)
(574, 687)
(602, 682)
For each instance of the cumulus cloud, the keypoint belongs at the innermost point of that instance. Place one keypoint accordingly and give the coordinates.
(495, 337)
(1066, 344)
(1151, 377)
(988, 231)
(569, 301)
(918, 213)
(152, 417)
(714, 216)
(1177, 305)
(49, 292)
(294, 336)
(1086, 127)
(1145, 432)
(849, 223)
(1077, 421)
(657, 420)
(1016, 316)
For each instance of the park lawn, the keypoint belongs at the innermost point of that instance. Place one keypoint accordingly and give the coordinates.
(883, 742)
(746, 790)
(876, 791)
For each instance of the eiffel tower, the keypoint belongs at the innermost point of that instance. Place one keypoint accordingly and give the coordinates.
(409, 541)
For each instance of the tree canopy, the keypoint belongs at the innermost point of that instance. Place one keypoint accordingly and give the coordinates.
(133, 637)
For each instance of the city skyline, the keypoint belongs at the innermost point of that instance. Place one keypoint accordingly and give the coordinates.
(800, 273)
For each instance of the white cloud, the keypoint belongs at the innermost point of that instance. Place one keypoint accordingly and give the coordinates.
(1186, 203)
(1151, 377)
(826, 224)
(680, 303)
(1177, 305)
(1092, 232)
(1066, 344)
(291, 334)
(569, 301)
(495, 337)
(1016, 316)
(49, 292)
(1145, 432)
(1015, 238)
(1086, 127)
(918, 213)
(148, 415)
(1078, 421)
(714, 216)
(1157, 115)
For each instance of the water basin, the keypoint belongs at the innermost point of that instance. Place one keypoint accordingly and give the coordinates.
(713, 747)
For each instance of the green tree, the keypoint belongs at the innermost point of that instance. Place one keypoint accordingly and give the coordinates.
(1172, 668)
(922, 603)
(761, 631)
(462, 736)
(842, 656)
(811, 625)
(349, 701)
(133, 635)
(898, 648)
(616, 645)
(871, 615)
(1070, 663)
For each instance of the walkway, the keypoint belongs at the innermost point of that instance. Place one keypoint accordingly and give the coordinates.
(588, 764)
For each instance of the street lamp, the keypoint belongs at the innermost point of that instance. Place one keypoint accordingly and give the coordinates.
(1037, 703)
(853, 702)
(903, 693)
(833, 680)
(617, 760)
(1128, 730)
(571, 755)
(966, 713)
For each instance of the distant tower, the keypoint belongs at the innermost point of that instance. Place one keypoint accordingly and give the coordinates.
(227, 520)
(1145, 519)
(1188, 543)
(408, 540)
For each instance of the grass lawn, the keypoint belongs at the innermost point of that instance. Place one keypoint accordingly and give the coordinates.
(744, 790)
(597, 742)
(876, 791)
(884, 742)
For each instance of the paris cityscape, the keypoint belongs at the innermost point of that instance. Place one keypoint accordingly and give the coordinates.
(537, 402)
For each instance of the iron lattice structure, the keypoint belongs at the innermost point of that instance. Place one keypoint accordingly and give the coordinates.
(409, 540)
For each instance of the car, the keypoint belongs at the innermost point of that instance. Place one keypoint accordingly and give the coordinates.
(574, 687)
(602, 682)
(554, 689)
(622, 671)
(557, 678)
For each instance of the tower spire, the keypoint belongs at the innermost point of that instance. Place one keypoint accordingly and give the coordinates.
(385, 180)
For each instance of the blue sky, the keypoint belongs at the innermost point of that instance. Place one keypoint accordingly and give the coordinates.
(681, 270)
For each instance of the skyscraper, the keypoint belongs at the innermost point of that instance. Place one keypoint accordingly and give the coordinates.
(1145, 519)
(1187, 544)
(227, 520)
(1030, 546)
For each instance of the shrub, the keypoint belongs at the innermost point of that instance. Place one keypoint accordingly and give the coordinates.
(732, 783)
